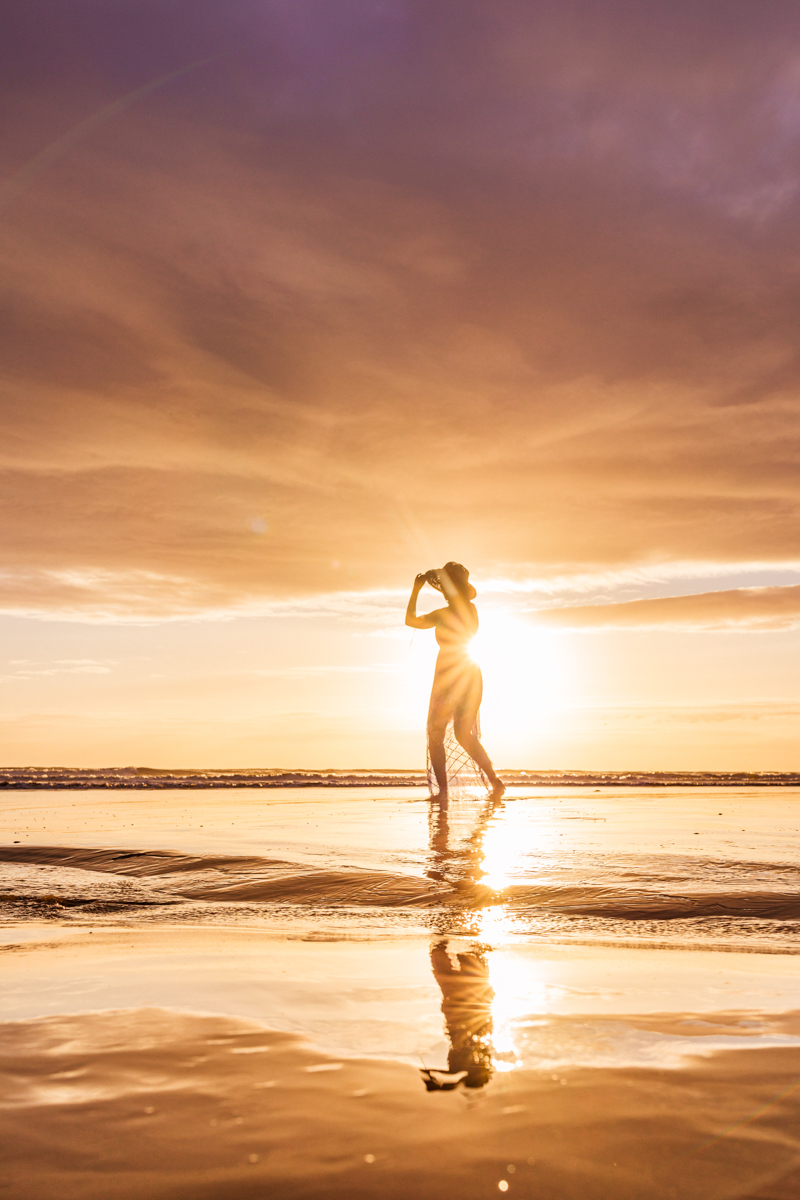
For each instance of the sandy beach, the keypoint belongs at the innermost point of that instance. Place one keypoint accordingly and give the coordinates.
(573, 993)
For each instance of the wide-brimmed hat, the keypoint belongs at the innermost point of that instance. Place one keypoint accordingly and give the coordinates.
(459, 577)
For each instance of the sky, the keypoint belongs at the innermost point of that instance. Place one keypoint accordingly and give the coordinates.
(301, 297)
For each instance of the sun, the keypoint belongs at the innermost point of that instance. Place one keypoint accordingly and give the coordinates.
(524, 671)
(527, 683)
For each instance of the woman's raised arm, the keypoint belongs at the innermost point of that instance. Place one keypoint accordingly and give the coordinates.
(415, 622)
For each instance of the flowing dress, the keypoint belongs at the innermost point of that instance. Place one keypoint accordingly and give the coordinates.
(456, 692)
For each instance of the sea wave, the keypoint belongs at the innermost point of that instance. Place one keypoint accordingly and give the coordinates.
(67, 878)
(148, 777)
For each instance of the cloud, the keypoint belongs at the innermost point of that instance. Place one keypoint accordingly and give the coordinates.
(26, 668)
(336, 308)
(765, 608)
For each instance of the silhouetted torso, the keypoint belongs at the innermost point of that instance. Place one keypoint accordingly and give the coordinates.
(456, 629)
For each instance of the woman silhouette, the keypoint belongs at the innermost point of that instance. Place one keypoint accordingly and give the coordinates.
(457, 682)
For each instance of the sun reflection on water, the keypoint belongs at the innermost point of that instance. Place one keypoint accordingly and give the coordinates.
(492, 924)
(502, 850)
(475, 847)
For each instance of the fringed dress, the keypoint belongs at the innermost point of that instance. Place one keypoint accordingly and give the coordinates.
(456, 694)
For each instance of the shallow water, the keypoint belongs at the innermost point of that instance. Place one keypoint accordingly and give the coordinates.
(580, 902)
(694, 864)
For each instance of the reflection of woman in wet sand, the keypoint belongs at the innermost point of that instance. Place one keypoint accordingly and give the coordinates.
(457, 682)
(467, 996)
(462, 975)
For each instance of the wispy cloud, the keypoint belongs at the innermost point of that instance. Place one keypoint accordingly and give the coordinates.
(755, 609)
(26, 668)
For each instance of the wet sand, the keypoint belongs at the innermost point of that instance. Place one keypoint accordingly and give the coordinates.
(153, 1103)
(563, 996)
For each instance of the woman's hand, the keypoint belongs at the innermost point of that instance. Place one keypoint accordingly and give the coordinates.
(411, 611)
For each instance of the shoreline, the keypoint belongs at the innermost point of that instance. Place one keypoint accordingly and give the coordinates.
(121, 778)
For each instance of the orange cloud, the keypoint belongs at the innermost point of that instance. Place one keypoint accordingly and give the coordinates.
(335, 308)
(763, 608)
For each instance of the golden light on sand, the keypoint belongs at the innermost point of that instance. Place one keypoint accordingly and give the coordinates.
(519, 991)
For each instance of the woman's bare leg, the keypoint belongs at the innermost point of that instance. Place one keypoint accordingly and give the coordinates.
(437, 755)
(468, 741)
(466, 716)
(438, 761)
